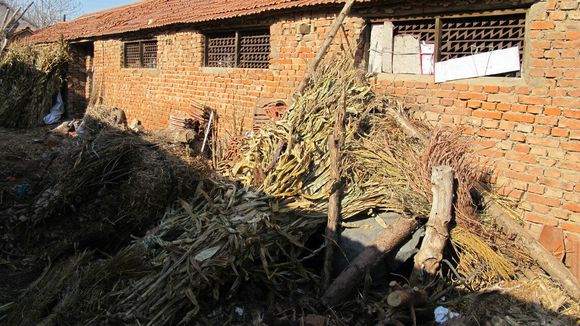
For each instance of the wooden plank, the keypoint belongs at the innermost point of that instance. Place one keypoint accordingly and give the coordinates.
(376, 49)
(422, 15)
(388, 47)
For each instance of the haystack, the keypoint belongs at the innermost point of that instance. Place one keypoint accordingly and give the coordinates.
(30, 79)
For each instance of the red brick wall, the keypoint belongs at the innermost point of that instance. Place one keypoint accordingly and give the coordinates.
(527, 129)
(152, 95)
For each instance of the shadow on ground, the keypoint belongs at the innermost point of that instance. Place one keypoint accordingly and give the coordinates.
(49, 256)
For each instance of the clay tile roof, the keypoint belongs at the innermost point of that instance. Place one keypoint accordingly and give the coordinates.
(148, 14)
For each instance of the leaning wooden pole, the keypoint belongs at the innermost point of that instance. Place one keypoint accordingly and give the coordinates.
(325, 45)
(533, 248)
(347, 282)
(543, 257)
(335, 144)
(428, 259)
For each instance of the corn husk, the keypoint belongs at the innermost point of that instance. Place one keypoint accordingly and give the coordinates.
(30, 79)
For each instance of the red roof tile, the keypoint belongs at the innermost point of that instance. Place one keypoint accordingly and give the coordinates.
(157, 13)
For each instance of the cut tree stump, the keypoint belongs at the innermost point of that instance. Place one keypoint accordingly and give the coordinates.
(428, 259)
(406, 298)
(347, 282)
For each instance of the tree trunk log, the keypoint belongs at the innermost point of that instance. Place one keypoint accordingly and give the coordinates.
(428, 259)
(349, 279)
(324, 48)
(543, 257)
(335, 143)
(407, 298)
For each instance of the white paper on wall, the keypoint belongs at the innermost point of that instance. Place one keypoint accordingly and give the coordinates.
(376, 48)
(427, 59)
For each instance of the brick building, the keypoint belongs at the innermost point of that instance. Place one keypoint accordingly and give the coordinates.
(155, 57)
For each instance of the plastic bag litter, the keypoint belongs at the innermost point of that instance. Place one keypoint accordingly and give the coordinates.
(443, 315)
(56, 111)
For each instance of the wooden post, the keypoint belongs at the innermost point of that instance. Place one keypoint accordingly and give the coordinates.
(335, 143)
(324, 48)
(428, 259)
(349, 279)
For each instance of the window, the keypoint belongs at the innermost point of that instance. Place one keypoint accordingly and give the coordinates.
(414, 45)
(140, 54)
(241, 49)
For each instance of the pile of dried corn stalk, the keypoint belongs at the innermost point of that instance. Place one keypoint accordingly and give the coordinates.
(30, 79)
(233, 244)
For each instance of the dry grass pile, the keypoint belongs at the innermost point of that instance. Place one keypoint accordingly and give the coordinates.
(30, 79)
(289, 160)
(384, 170)
(122, 175)
(231, 238)
(203, 251)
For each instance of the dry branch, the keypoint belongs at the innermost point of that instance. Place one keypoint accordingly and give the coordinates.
(335, 144)
(348, 280)
(428, 259)
(324, 48)
(543, 257)
(533, 248)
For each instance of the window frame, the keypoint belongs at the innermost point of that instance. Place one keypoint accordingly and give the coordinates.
(142, 53)
(237, 32)
(438, 31)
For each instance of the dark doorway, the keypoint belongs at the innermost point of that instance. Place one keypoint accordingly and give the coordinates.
(80, 78)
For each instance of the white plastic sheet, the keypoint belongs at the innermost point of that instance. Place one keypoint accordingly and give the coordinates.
(56, 111)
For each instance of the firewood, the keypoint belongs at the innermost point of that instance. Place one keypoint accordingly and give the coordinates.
(428, 259)
(548, 262)
(349, 279)
(335, 143)
(533, 248)
(411, 297)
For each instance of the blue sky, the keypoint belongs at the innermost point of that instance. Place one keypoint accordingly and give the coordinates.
(88, 6)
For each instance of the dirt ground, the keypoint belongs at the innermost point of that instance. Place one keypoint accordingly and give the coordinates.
(33, 160)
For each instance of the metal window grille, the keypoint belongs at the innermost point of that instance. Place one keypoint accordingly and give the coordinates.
(221, 50)
(456, 36)
(132, 55)
(149, 54)
(140, 54)
(254, 50)
(465, 36)
(422, 29)
(246, 49)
